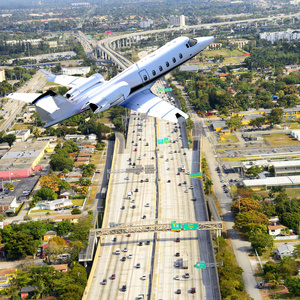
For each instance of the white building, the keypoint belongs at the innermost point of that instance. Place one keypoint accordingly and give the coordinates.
(146, 24)
(59, 203)
(177, 20)
(21, 135)
(77, 70)
(74, 137)
(285, 251)
(274, 227)
(2, 75)
(280, 35)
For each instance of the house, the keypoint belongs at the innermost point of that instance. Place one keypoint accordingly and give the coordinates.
(55, 204)
(8, 204)
(285, 251)
(49, 235)
(274, 227)
(6, 276)
(61, 267)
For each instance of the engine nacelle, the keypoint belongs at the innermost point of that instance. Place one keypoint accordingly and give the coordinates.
(110, 97)
(94, 79)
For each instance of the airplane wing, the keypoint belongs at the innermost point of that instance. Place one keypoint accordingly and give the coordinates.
(26, 97)
(146, 102)
(70, 81)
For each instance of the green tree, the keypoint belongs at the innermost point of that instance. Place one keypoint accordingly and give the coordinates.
(59, 162)
(9, 186)
(46, 194)
(275, 116)
(9, 138)
(81, 229)
(293, 285)
(248, 221)
(260, 240)
(64, 227)
(234, 123)
(254, 170)
(76, 211)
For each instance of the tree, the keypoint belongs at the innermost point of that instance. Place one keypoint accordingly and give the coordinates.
(76, 211)
(260, 240)
(293, 285)
(59, 162)
(234, 123)
(245, 204)
(254, 170)
(275, 116)
(46, 194)
(64, 227)
(36, 133)
(9, 186)
(81, 229)
(9, 138)
(250, 220)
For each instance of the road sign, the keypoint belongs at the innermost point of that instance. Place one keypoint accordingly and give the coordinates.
(168, 90)
(166, 140)
(200, 265)
(159, 89)
(175, 226)
(196, 175)
(160, 141)
(190, 226)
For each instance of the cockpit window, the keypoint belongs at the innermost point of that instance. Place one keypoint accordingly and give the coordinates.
(192, 42)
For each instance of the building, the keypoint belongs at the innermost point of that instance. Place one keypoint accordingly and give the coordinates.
(240, 43)
(22, 159)
(76, 71)
(6, 276)
(177, 21)
(275, 228)
(54, 204)
(288, 35)
(74, 137)
(8, 204)
(285, 251)
(266, 184)
(21, 135)
(49, 235)
(2, 75)
(286, 168)
(146, 23)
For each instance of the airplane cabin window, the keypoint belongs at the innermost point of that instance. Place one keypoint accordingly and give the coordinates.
(167, 64)
(192, 42)
(187, 45)
(180, 55)
(160, 68)
(174, 60)
(145, 77)
(154, 73)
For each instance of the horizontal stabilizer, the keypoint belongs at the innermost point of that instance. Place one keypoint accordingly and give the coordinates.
(26, 97)
(148, 103)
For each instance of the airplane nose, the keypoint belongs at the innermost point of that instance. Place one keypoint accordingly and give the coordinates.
(205, 41)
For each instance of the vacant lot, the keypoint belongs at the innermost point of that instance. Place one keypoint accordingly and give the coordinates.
(280, 139)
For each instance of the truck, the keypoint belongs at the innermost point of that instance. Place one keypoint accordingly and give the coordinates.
(182, 168)
(184, 262)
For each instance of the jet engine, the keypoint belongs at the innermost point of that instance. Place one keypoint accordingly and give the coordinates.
(110, 97)
(94, 79)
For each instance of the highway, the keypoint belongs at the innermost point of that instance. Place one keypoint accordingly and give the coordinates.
(162, 195)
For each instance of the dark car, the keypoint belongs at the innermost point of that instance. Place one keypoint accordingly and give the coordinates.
(169, 181)
(147, 243)
(177, 240)
(177, 254)
(193, 290)
(136, 190)
(104, 282)
(140, 243)
(113, 276)
(178, 291)
(124, 288)
(123, 258)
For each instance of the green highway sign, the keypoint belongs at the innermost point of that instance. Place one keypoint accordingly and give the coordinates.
(200, 265)
(160, 89)
(160, 141)
(196, 175)
(190, 226)
(166, 140)
(168, 90)
(175, 226)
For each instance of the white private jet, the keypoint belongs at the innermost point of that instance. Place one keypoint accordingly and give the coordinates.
(130, 89)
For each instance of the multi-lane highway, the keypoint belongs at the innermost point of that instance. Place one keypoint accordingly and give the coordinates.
(150, 264)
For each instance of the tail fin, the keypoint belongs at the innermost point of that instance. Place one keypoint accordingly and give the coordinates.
(51, 106)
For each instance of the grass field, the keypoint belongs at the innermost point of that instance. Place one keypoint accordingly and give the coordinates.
(223, 52)
(21, 126)
(229, 139)
(281, 139)
(78, 202)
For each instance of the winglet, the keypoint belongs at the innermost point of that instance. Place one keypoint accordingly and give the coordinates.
(50, 77)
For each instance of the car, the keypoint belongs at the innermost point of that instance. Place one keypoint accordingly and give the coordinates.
(184, 153)
(128, 235)
(138, 265)
(135, 149)
(140, 297)
(146, 180)
(178, 173)
(123, 258)
(136, 190)
(144, 217)
(104, 281)
(147, 243)
(147, 205)
(113, 276)
(177, 277)
(132, 141)
(193, 290)
(187, 275)
(130, 256)
(178, 291)
(184, 182)
(191, 187)
(133, 164)
(142, 180)
(144, 277)
(140, 243)
(114, 239)
(152, 157)
(124, 288)
(179, 184)
(123, 207)
(118, 251)
(169, 181)
(133, 206)
(177, 240)
(177, 254)
(125, 249)
(176, 264)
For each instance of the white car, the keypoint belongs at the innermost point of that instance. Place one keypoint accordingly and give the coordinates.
(176, 277)
(125, 249)
(130, 255)
(144, 277)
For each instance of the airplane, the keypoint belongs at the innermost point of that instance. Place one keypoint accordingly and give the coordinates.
(130, 88)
